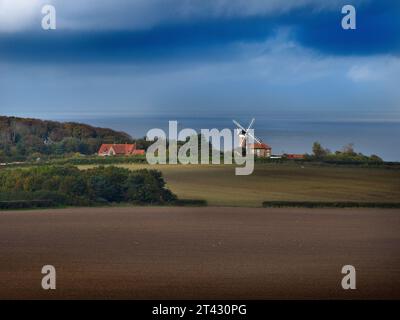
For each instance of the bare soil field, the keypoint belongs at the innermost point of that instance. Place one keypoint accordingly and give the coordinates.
(200, 253)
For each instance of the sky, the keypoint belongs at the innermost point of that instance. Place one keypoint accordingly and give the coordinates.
(201, 58)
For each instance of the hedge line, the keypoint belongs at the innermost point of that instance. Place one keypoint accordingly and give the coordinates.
(26, 204)
(190, 203)
(96, 160)
(33, 204)
(53, 199)
(325, 204)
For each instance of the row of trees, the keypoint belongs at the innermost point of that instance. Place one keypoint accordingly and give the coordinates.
(71, 186)
(347, 153)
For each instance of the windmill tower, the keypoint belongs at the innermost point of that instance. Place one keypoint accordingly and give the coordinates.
(242, 138)
(244, 135)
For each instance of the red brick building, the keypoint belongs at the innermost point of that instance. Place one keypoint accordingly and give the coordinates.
(119, 150)
(261, 150)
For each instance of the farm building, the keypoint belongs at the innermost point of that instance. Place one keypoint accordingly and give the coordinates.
(294, 156)
(119, 150)
(261, 150)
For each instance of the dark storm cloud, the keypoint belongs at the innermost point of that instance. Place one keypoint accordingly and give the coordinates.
(378, 29)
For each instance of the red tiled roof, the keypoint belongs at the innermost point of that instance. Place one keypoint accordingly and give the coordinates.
(260, 146)
(120, 149)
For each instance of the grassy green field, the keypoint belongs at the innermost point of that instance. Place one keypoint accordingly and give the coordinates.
(219, 185)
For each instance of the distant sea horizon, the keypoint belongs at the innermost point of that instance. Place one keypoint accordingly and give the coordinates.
(283, 135)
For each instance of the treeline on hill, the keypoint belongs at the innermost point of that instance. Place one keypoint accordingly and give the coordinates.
(45, 186)
(28, 139)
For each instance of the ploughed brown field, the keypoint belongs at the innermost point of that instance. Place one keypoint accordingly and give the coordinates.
(200, 253)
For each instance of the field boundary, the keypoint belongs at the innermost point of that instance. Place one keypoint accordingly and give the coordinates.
(326, 204)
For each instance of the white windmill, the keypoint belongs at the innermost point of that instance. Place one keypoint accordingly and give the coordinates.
(244, 134)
